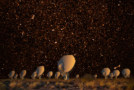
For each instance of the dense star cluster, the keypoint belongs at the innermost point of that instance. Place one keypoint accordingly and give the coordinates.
(99, 33)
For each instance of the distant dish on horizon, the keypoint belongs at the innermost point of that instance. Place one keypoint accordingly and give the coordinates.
(40, 70)
(95, 76)
(57, 75)
(34, 74)
(126, 72)
(23, 74)
(105, 72)
(11, 74)
(77, 76)
(49, 74)
(116, 73)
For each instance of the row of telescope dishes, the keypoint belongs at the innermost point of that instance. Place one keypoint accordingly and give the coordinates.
(106, 73)
(38, 73)
(13, 75)
(49, 75)
(65, 65)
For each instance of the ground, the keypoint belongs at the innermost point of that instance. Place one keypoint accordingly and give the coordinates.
(72, 84)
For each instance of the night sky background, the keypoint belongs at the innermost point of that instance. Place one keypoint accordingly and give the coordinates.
(99, 33)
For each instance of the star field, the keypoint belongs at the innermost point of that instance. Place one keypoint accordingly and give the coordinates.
(98, 33)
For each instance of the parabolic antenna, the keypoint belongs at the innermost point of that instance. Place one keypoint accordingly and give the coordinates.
(49, 74)
(66, 63)
(40, 70)
(34, 74)
(11, 74)
(105, 72)
(116, 73)
(126, 72)
(77, 76)
(23, 74)
(57, 74)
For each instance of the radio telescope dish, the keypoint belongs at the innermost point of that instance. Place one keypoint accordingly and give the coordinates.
(66, 63)
(126, 72)
(33, 76)
(105, 72)
(40, 70)
(23, 74)
(116, 73)
(57, 74)
(77, 76)
(60, 67)
(11, 74)
(49, 74)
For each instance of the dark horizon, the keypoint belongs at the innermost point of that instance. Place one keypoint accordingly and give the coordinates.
(98, 33)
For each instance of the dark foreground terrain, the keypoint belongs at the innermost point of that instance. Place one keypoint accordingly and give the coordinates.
(72, 84)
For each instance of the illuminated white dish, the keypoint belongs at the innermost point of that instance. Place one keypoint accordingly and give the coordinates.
(66, 63)
(40, 70)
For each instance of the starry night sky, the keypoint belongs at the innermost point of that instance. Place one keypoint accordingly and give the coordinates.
(99, 33)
